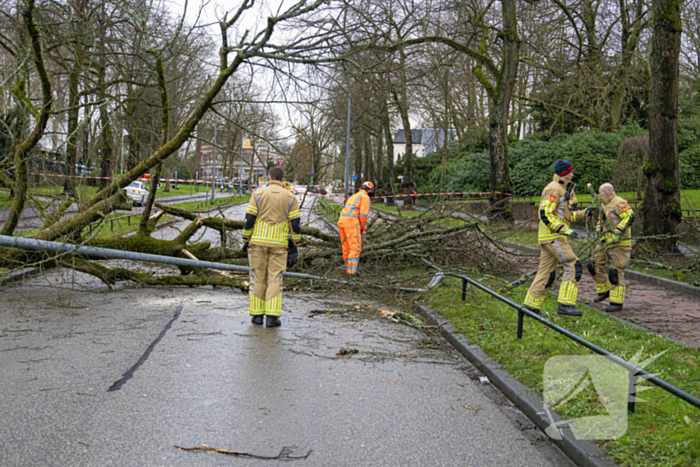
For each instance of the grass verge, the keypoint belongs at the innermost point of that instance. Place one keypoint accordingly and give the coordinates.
(664, 430)
(201, 206)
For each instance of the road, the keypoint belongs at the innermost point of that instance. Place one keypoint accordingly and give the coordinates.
(32, 218)
(93, 377)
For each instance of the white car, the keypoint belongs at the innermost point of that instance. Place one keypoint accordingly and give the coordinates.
(298, 189)
(137, 191)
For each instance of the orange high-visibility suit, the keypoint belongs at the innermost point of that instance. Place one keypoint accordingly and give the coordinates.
(351, 224)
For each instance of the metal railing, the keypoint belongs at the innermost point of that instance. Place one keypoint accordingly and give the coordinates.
(635, 371)
(330, 209)
(108, 253)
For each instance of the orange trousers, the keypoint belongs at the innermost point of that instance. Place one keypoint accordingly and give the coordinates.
(352, 244)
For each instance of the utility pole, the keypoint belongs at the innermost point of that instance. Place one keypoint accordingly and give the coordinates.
(213, 169)
(347, 145)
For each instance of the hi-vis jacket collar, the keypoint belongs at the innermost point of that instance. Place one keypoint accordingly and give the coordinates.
(562, 181)
(608, 198)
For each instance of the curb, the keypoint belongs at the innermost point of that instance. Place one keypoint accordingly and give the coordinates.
(668, 284)
(583, 453)
(20, 275)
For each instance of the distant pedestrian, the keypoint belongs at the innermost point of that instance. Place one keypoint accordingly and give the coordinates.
(272, 220)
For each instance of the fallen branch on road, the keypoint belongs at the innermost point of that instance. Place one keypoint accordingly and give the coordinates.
(285, 453)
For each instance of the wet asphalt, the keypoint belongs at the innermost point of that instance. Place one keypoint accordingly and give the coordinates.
(96, 377)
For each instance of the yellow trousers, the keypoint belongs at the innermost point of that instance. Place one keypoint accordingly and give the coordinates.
(267, 263)
(553, 253)
(618, 257)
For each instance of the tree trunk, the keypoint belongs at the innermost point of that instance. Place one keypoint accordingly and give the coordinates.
(662, 208)
(500, 181)
(368, 172)
(21, 151)
(379, 163)
(386, 126)
(73, 112)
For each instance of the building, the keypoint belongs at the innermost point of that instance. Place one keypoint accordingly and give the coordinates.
(206, 166)
(262, 156)
(425, 141)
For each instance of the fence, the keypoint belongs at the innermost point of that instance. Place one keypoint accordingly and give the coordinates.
(332, 210)
(635, 371)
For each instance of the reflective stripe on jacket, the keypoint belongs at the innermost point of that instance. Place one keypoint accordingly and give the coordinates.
(620, 217)
(357, 207)
(555, 211)
(273, 207)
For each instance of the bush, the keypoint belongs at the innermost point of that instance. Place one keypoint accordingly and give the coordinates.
(690, 168)
(593, 154)
(532, 166)
(469, 172)
(688, 132)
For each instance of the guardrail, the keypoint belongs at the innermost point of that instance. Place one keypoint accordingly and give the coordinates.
(635, 371)
(329, 209)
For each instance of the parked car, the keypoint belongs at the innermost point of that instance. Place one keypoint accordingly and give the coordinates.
(298, 189)
(137, 192)
(316, 189)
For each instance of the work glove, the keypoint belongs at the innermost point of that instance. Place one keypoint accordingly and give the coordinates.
(589, 211)
(244, 250)
(616, 238)
(292, 254)
(570, 233)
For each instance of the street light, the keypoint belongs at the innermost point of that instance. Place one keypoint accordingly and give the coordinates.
(347, 144)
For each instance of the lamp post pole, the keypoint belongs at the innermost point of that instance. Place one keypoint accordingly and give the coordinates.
(347, 144)
(213, 168)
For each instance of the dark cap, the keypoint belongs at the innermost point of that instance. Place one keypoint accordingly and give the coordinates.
(563, 167)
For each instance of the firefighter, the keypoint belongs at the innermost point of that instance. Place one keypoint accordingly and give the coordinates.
(615, 227)
(272, 223)
(556, 212)
(352, 226)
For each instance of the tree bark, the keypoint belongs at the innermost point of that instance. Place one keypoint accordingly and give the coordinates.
(144, 228)
(105, 123)
(73, 113)
(500, 181)
(389, 138)
(21, 151)
(662, 208)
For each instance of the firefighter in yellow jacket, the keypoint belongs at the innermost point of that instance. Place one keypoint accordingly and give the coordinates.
(615, 227)
(352, 225)
(556, 212)
(272, 223)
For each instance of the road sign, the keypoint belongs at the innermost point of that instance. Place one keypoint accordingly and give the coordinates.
(208, 171)
(354, 177)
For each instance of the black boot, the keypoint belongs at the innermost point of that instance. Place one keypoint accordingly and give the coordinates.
(568, 310)
(613, 307)
(257, 319)
(602, 296)
(272, 321)
(534, 310)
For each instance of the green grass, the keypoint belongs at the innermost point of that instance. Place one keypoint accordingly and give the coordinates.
(329, 209)
(200, 206)
(395, 210)
(663, 431)
(690, 199)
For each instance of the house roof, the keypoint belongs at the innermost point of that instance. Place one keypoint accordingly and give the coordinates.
(430, 138)
(400, 136)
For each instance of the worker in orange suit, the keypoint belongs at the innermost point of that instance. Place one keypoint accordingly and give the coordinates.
(352, 226)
